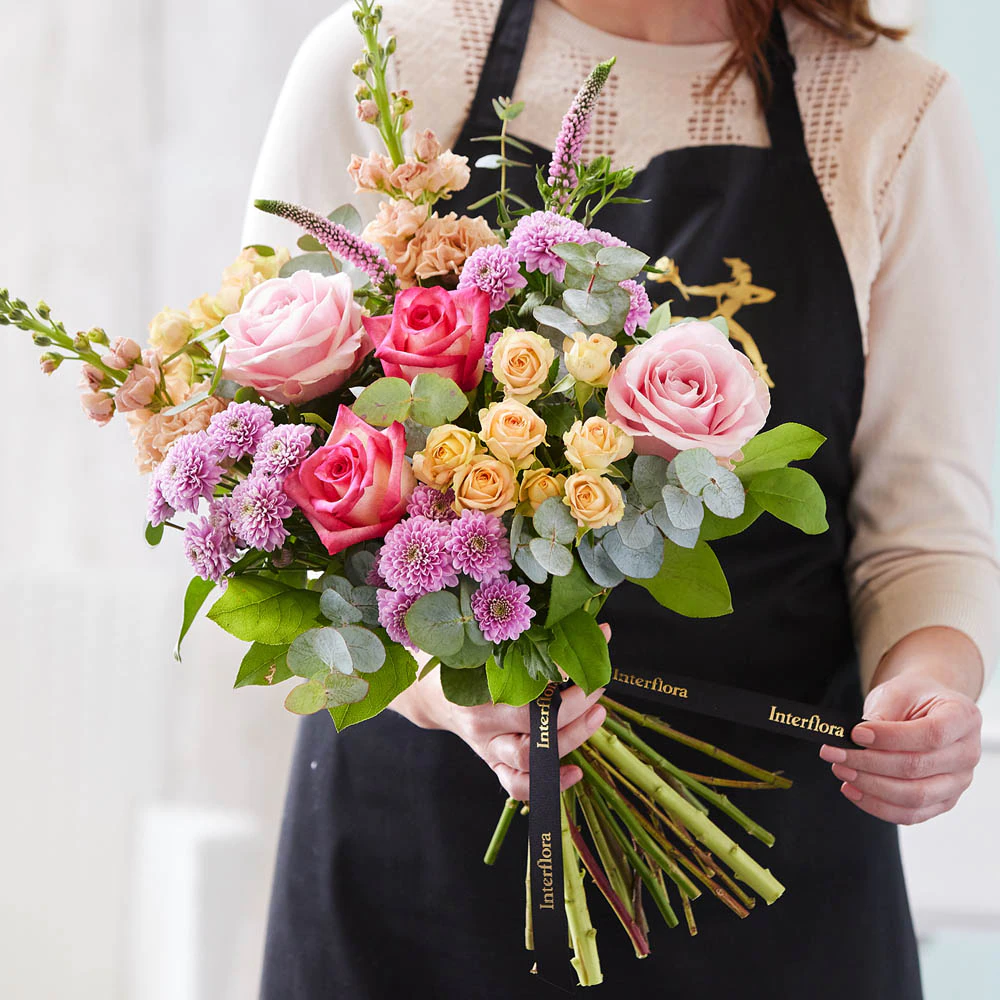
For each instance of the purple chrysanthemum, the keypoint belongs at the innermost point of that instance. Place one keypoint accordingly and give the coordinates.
(281, 449)
(575, 128)
(373, 578)
(490, 345)
(157, 509)
(392, 608)
(209, 548)
(501, 609)
(425, 501)
(534, 237)
(414, 558)
(257, 510)
(239, 428)
(338, 239)
(640, 308)
(605, 239)
(479, 546)
(189, 472)
(494, 270)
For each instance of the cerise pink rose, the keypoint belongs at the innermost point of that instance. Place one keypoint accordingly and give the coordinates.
(433, 330)
(296, 338)
(355, 487)
(687, 387)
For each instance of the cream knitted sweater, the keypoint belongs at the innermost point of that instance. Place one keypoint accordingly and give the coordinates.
(893, 149)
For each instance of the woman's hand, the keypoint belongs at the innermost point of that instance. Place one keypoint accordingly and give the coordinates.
(921, 730)
(500, 733)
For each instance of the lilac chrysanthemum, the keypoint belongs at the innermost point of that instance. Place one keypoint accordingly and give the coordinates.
(392, 608)
(414, 558)
(338, 239)
(190, 472)
(574, 129)
(604, 238)
(239, 428)
(209, 548)
(479, 546)
(157, 509)
(640, 308)
(373, 578)
(281, 449)
(501, 609)
(534, 237)
(494, 270)
(425, 501)
(257, 510)
(490, 345)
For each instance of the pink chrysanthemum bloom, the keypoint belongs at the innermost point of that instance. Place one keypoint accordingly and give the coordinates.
(604, 238)
(257, 510)
(479, 547)
(157, 509)
(392, 608)
(374, 578)
(281, 449)
(640, 308)
(488, 351)
(501, 609)
(425, 501)
(494, 270)
(239, 428)
(414, 558)
(534, 237)
(189, 472)
(209, 548)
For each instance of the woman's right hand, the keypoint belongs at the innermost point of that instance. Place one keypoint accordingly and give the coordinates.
(500, 733)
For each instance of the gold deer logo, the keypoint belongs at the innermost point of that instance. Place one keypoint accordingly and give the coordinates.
(730, 296)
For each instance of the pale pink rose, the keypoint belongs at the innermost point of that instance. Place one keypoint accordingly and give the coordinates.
(687, 387)
(123, 352)
(355, 487)
(99, 406)
(154, 433)
(445, 243)
(426, 146)
(138, 389)
(448, 172)
(296, 338)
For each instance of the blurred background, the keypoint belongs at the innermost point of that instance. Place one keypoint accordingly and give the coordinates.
(141, 796)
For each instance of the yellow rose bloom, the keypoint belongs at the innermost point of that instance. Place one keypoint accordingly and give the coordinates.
(485, 484)
(521, 362)
(588, 359)
(512, 431)
(539, 485)
(595, 444)
(448, 448)
(594, 501)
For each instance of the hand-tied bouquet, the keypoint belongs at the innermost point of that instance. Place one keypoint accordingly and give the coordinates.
(510, 430)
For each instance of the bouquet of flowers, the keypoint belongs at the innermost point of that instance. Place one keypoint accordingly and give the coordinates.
(444, 436)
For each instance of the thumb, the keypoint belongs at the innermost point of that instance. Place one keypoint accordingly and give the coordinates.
(890, 701)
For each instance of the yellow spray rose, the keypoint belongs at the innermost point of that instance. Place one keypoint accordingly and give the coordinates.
(521, 362)
(512, 431)
(588, 359)
(595, 444)
(539, 485)
(594, 500)
(448, 448)
(485, 484)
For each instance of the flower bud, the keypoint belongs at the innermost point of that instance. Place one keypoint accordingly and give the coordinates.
(362, 93)
(81, 342)
(40, 340)
(97, 336)
(588, 359)
(43, 310)
(49, 362)
(390, 46)
(123, 354)
(360, 68)
(367, 111)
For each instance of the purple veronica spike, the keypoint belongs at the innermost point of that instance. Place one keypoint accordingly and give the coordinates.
(501, 609)
(281, 449)
(640, 308)
(414, 558)
(338, 239)
(478, 546)
(209, 548)
(189, 472)
(534, 237)
(575, 128)
(425, 501)
(494, 270)
(258, 509)
(392, 608)
(239, 428)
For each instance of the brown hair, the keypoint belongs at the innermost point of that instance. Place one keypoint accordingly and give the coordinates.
(751, 20)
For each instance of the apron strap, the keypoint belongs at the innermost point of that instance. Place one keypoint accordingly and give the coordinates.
(503, 60)
(784, 122)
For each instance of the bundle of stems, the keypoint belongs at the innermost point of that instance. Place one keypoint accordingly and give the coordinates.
(640, 826)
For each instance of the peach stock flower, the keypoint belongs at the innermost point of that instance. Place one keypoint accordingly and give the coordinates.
(154, 433)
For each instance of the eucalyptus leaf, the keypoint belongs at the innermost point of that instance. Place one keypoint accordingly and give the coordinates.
(384, 402)
(685, 537)
(589, 309)
(365, 599)
(551, 556)
(436, 624)
(724, 495)
(619, 303)
(695, 469)
(620, 263)
(598, 563)
(641, 563)
(337, 609)
(554, 521)
(436, 400)
(394, 676)
(516, 527)
(465, 687)
(581, 257)
(359, 564)
(347, 216)
(719, 322)
(306, 699)
(338, 583)
(659, 319)
(366, 649)
(318, 651)
(649, 473)
(635, 529)
(343, 689)
(684, 510)
(690, 582)
(529, 565)
(318, 263)
(556, 318)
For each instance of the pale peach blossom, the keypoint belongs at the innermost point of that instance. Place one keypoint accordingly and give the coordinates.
(367, 110)
(170, 330)
(91, 378)
(99, 406)
(138, 389)
(396, 223)
(445, 243)
(447, 172)
(426, 146)
(370, 173)
(123, 354)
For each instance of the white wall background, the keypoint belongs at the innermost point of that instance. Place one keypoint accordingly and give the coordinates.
(141, 796)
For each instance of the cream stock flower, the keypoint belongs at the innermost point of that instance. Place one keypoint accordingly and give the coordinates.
(521, 362)
(447, 450)
(594, 500)
(539, 485)
(485, 484)
(588, 359)
(595, 444)
(512, 431)
(170, 330)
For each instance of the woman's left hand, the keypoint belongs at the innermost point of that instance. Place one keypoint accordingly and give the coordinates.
(922, 740)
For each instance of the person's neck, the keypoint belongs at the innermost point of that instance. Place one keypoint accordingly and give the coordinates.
(670, 22)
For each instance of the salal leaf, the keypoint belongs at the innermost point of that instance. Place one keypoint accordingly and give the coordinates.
(465, 687)
(578, 646)
(775, 448)
(690, 582)
(569, 593)
(714, 527)
(511, 684)
(257, 609)
(793, 496)
(659, 319)
(194, 597)
(263, 665)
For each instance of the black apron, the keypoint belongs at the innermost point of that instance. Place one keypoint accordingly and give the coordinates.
(380, 891)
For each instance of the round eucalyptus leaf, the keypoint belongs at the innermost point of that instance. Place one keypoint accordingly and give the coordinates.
(639, 563)
(649, 473)
(620, 263)
(344, 690)
(347, 216)
(334, 581)
(695, 469)
(317, 651)
(516, 527)
(384, 402)
(337, 608)
(436, 624)
(529, 565)
(686, 538)
(554, 522)
(598, 563)
(436, 400)
(318, 263)
(359, 565)
(306, 699)
(684, 510)
(556, 318)
(724, 495)
(551, 556)
(365, 599)
(589, 309)
(635, 528)
(367, 651)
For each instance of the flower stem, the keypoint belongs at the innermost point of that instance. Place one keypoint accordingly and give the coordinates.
(586, 960)
(510, 808)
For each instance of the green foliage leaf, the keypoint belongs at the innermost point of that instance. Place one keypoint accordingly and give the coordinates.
(620, 263)
(335, 607)
(384, 402)
(436, 400)
(691, 582)
(318, 651)
(310, 244)
(342, 689)
(659, 319)
(720, 323)
(589, 309)
(436, 624)
(154, 534)
(775, 448)
(262, 249)
(318, 263)
(793, 496)
(724, 495)
(247, 394)
(263, 665)
(554, 521)
(194, 597)
(465, 687)
(714, 527)
(394, 676)
(306, 699)
(583, 258)
(257, 609)
(578, 646)
(569, 593)
(511, 684)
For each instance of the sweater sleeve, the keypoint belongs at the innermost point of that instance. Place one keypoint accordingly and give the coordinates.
(312, 133)
(923, 549)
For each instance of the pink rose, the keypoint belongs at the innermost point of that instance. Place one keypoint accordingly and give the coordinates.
(433, 330)
(687, 387)
(355, 487)
(296, 338)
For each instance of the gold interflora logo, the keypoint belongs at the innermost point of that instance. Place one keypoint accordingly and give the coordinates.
(813, 723)
(654, 683)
